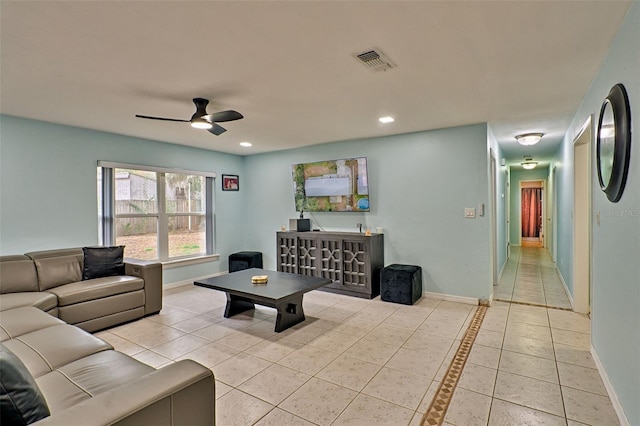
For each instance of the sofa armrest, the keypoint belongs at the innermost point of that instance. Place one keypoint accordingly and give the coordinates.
(151, 273)
(178, 394)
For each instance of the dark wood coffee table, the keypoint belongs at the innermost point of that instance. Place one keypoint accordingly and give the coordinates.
(283, 291)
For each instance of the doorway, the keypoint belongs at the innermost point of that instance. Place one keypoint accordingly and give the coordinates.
(494, 213)
(532, 214)
(582, 220)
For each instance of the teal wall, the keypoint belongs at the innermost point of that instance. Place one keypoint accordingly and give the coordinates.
(515, 196)
(615, 280)
(420, 184)
(49, 191)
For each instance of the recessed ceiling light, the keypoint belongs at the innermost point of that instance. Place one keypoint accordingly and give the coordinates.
(246, 144)
(386, 119)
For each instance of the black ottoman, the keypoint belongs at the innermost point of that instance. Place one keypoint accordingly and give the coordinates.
(401, 284)
(245, 260)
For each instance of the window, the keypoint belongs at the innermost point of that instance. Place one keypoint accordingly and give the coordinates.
(157, 214)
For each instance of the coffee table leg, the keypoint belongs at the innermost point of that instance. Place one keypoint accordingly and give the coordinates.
(289, 314)
(236, 305)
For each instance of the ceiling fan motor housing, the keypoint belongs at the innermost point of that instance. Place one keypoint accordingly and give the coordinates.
(201, 108)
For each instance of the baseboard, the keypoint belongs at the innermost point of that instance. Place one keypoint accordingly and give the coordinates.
(177, 284)
(609, 387)
(504, 266)
(486, 302)
(566, 289)
(451, 298)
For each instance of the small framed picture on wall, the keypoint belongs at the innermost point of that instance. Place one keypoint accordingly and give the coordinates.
(230, 183)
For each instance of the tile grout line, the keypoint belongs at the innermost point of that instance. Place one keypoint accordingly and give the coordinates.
(559, 308)
(440, 403)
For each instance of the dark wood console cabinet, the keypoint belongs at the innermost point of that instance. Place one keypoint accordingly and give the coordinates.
(352, 261)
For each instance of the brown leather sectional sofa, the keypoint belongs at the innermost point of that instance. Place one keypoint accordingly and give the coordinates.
(85, 382)
(52, 281)
(80, 379)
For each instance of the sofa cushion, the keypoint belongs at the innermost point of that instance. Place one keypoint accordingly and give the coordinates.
(19, 321)
(17, 274)
(89, 376)
(105, 370)
(57, 271)
(102, 262)
(36, 365)
(62, 344)
(37, 299)
(97, 288)
(21, 401)
(60, 392)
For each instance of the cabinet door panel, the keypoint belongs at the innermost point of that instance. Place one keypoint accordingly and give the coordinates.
(354, 263)
(330, 251)
(287, 258)
(307, 256)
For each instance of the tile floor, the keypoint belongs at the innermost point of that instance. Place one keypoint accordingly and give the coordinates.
(530, 276)
(368, 362)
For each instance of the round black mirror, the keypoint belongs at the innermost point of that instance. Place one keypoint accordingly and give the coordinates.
(613, 143)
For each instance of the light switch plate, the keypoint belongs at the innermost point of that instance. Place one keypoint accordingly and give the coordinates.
(470, 213)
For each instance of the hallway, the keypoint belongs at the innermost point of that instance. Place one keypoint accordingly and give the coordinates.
(530, 277)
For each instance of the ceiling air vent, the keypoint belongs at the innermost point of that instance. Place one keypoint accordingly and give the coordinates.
(375, 60)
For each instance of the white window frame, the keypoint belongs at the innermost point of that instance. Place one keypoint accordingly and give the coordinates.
(108, 216)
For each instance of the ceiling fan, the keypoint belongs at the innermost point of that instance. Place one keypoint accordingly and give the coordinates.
(203, 120)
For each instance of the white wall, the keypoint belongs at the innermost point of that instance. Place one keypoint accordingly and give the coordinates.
(419, 183)
(615, 323)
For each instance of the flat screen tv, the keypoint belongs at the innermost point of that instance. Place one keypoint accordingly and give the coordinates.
(332, 186)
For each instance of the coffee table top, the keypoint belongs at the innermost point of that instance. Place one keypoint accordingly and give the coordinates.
(281, 285)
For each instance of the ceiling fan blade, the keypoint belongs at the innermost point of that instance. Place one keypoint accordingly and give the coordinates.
(217, 130)
(229, 115)
(161, 118)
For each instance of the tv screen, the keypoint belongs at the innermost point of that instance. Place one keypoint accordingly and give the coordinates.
(331, 186)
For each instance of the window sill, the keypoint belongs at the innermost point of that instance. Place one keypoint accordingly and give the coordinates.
(168, 264)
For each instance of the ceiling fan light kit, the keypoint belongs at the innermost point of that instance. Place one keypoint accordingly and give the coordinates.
(529, 138)
(201, 119)
(201, 123)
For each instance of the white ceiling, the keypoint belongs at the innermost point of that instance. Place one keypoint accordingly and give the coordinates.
(288, 67)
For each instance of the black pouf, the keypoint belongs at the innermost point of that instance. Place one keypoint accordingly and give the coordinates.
(401, 284)
(245, 260)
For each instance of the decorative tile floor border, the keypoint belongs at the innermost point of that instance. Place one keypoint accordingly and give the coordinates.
(434, 416)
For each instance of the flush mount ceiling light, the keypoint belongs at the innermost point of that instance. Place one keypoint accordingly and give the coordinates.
(529, 138)
(246, 144)
(529, 163)
(201, 123)
(386, 119)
